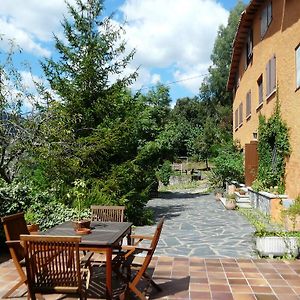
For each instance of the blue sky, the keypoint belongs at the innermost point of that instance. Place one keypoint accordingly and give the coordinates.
(173, 38)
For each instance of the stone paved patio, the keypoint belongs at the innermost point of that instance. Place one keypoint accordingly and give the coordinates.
(198, 278)
(205, 252)
(198, 225)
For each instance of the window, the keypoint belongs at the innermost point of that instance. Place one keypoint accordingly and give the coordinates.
(249, 47)
(236, 119)
(266, 19)
(271, 76)
(248, 105)
(298, 66)
(241, 114)
(260, 90)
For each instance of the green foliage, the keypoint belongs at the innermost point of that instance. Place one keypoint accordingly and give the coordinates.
(165, 172)
(79, 194)
(262, 223)
(213, 89)
(293, 212)
(273, 150)
(228, 166)
(14, 197)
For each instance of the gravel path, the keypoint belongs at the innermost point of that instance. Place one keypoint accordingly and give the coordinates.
(198, 225)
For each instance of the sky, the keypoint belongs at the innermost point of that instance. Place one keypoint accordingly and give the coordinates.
(173, 38)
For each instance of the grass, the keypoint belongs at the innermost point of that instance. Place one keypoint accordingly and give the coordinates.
(182, 186)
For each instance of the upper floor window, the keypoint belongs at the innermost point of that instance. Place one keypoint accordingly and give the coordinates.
(260, 90)
(249, 47)
(266, 19)
(271, 76)
(248, 105)
(298, 67)
(236, 119)
(241, 114)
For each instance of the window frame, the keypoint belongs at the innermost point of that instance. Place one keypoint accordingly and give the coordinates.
(241, 114)
(249, 47)
(266, 18)
(248, 105)
(260, 87)
(236, 119)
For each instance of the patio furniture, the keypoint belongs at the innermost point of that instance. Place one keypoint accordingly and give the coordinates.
(139, 269)
(107, 213)
(53, 265)
(104, 237)
(15, 225)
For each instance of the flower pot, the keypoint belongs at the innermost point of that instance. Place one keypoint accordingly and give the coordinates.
(230, 205)
(218, 196)
(81, 224)
(277, 246)
(33, 228)
(83, 231)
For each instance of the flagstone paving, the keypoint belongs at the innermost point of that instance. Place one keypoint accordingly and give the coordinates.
(198, 225)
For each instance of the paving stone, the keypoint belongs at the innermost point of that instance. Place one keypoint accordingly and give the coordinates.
(198, 225)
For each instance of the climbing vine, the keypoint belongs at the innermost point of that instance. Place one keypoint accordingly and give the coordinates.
(273, 149)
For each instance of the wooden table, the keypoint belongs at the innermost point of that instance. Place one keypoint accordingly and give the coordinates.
(105, 236)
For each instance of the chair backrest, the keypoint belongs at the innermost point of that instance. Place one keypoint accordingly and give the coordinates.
(14, 226)
(52, 264)
(107, 213)
(151, 251)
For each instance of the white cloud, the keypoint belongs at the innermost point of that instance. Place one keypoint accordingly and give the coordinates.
(173, 33)
(31, 23)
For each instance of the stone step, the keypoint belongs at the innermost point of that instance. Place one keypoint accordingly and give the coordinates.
(244, 204)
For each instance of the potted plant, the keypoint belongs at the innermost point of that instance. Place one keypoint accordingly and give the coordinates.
(79, 191)
(230, 201)
(218, 193)
(32, 221)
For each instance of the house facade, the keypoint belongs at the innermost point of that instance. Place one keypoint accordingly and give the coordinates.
(266, 64)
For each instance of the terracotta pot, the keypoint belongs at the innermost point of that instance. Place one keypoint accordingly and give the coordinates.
(33, 227)
(218, 196)
(81, 224)
(230, 205)
(83, 231)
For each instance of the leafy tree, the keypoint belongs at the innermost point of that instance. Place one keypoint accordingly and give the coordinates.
(92, 56)
(213, 89)
(19, 122)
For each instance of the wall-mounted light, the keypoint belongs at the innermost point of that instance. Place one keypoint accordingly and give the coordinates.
(254, 135)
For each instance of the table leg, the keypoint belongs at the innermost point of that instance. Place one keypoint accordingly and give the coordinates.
(109, 293)
(128, 236)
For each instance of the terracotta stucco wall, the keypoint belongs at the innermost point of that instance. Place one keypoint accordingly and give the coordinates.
(281, 39)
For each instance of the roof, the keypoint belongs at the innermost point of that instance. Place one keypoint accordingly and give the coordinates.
(238, 46)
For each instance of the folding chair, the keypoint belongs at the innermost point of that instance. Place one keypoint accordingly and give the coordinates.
(140, 269)
(53, 265)
(107, 213)
(14, 226)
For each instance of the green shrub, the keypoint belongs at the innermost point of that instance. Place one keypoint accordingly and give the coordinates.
(165, 172)
(228, 166)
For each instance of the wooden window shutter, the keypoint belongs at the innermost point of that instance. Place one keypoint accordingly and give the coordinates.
(268, 79)
(273, 74)
(248, 104)
(236, 119)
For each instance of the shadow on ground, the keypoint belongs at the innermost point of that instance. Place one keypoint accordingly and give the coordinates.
(169, 212)
(178, 195)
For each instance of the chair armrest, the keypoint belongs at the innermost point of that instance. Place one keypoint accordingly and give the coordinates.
(13, 243)
(144, 237)
(133, 249)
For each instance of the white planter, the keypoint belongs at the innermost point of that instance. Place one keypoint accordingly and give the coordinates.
(277, 246)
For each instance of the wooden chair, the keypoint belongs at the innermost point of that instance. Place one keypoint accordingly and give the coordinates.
(14, 226)
(141, 268)
(53, 265)
(107, 213)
